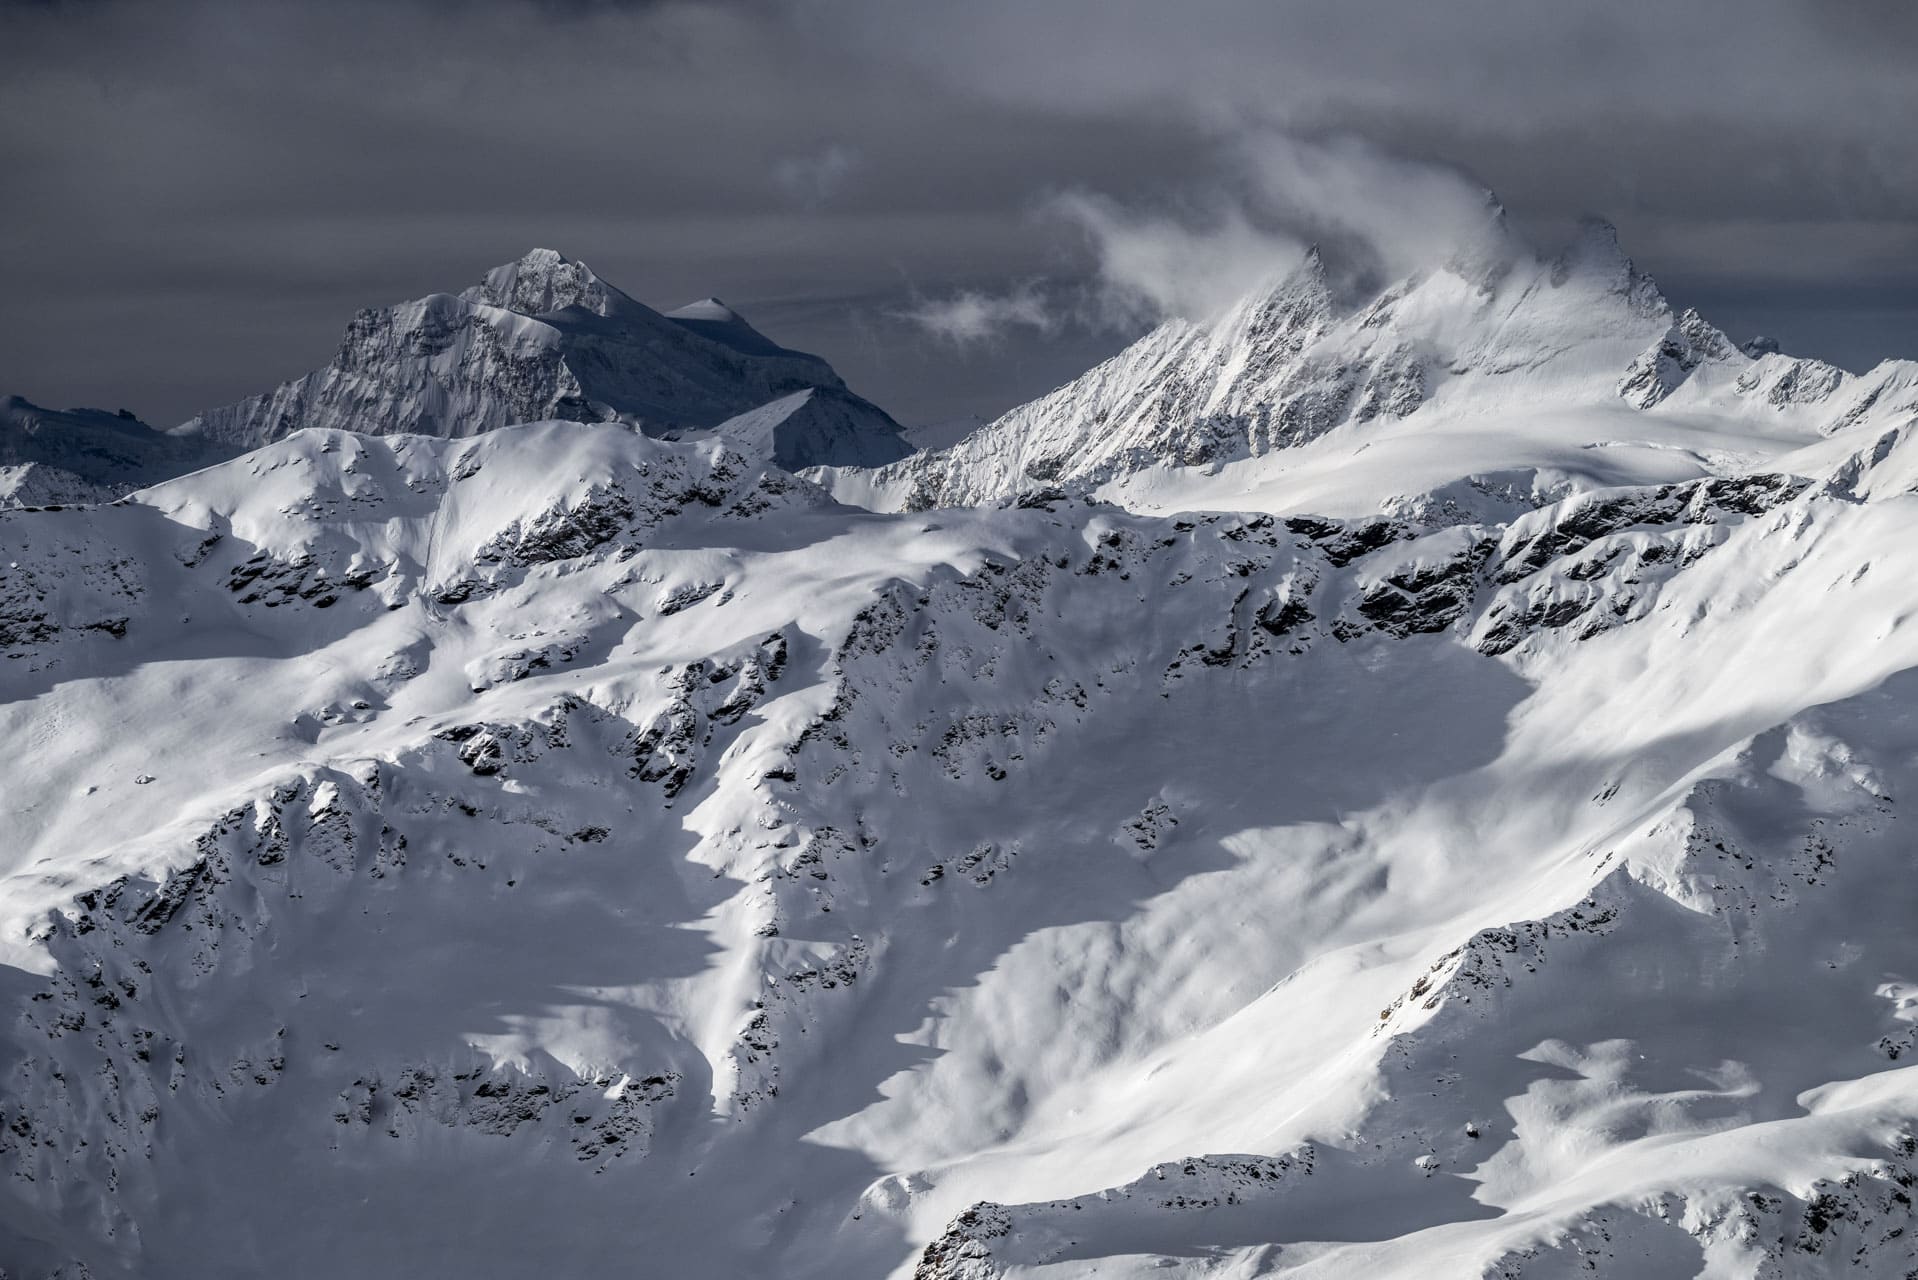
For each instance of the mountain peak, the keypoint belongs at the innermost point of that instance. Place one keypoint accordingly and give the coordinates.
(544, 258)
(1597, 254)
(1599, 232)
(1596, 247)
(540, 282)
(458, 366)
(1487, 249)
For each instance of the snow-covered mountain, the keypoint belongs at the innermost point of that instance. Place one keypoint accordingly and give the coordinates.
(1459, 837)
(545, 338)
(1269, 398)
(57, 456)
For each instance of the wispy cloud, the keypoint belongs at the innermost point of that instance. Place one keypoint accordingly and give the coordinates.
(970, 317)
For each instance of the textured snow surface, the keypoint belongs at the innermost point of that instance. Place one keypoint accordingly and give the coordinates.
(1463, 839)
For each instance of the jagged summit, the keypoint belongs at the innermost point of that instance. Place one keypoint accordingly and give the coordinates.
(1487, 247)
(1596, 241)
(544, 281)
(1597, 254)
(1691, 342)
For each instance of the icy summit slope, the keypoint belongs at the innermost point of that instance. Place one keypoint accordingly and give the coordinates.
(541, 338)
(567, 850)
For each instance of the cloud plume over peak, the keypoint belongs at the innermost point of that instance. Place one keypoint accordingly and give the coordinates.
(1405, 214)
(1236, 231)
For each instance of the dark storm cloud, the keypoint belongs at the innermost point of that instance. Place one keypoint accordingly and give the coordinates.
(200, 194)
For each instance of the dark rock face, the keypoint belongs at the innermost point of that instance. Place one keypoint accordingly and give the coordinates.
(1577, 522)
(1427, 597)
(1346, 541)
(964, 1250)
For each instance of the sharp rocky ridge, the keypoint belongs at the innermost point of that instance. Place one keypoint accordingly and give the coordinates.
(1393, 785)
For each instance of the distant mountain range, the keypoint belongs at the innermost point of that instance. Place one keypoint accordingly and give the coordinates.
(539, 338)
(50, 456)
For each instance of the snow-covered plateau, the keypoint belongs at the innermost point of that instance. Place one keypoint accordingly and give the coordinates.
(1398, 785)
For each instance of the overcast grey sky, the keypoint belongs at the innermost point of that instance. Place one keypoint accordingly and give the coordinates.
(198, 195)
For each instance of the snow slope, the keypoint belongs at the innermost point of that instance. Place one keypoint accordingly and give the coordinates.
(572, 850)
(542, 338)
